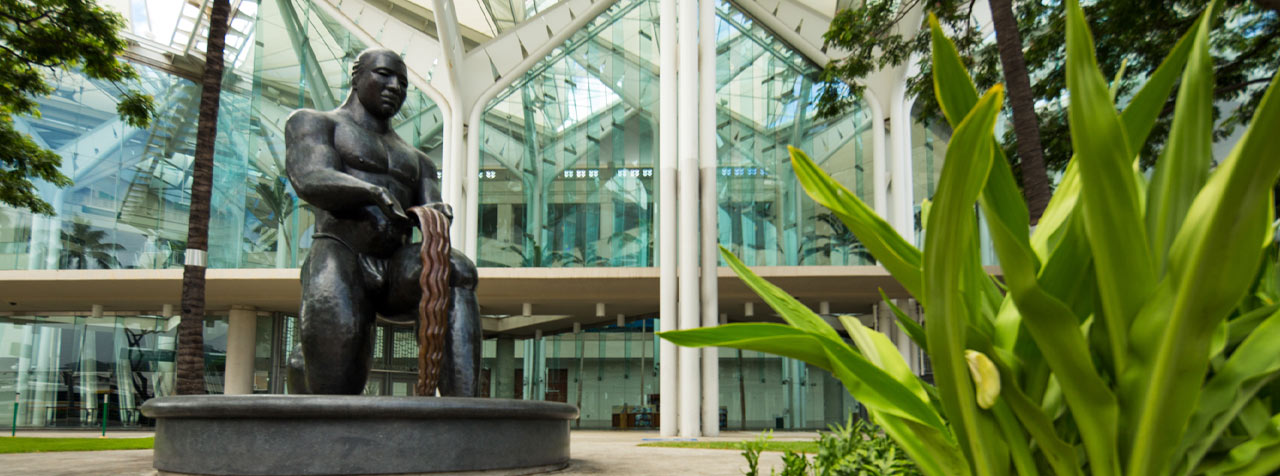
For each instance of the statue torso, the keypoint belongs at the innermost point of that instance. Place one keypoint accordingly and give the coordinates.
(383, 160)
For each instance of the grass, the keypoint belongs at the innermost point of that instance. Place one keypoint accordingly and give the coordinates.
(810, 447)
(39, 445)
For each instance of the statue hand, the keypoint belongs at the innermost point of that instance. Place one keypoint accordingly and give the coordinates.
(443, 208)
(390, 206)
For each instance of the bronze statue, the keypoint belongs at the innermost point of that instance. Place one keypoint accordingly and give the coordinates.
(358, 174)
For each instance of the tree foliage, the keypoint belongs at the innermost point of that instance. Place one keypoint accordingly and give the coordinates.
(37, 39)
(1138, 33)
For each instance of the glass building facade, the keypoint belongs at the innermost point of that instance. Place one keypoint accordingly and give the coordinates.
(568, 179)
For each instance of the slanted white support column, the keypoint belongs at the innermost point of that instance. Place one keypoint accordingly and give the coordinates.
(241, 333)
(710, 211)
(472, 177)
(690, 308)
(453, 162)
(668, 320)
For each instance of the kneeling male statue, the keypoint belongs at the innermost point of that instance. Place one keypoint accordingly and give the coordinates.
(360, 176)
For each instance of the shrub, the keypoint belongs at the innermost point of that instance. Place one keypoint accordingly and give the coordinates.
(1134, 330)
(853, 449)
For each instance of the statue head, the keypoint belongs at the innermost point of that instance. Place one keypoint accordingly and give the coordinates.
(379, 80)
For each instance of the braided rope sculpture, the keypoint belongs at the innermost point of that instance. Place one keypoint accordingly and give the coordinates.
(433, 314)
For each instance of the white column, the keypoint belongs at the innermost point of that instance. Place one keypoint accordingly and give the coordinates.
(53, 232)
(242, 327)
(903, 202)
(166, 341)
(88, 364)
(879, 176)
(710, 211)
(905, 346)
(452, 161)
(668, 406)
(35, 258)
(539, 367)
(504, 371)
(690, 309)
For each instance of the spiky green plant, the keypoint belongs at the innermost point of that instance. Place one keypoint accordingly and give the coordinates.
(1137, 332)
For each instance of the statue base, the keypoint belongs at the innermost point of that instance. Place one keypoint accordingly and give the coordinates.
(339, 434)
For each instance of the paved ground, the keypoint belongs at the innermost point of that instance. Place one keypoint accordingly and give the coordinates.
(593, 452)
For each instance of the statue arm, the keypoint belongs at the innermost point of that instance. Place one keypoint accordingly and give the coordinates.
(316, 171)
(429, 187)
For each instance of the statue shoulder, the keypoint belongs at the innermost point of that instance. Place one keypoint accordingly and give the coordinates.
(425, 161)
(305, 122)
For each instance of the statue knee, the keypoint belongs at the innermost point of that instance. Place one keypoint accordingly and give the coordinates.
(464, 273)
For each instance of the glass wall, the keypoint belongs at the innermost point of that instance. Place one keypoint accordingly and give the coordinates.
(765, 96)
(69, 370)
(568, 151)
(129, 205)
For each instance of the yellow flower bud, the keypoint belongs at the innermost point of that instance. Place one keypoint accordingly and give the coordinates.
(986, 378)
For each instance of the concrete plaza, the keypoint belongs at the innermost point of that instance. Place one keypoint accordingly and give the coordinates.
(593, 452)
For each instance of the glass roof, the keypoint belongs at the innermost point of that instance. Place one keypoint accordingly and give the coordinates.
(178, 24)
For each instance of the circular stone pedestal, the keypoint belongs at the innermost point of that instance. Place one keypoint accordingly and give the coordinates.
(331, 434)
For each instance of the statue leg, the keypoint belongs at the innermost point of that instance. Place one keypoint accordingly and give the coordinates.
(460, 375)
(463, 341)
(297, 379)
(336, 321)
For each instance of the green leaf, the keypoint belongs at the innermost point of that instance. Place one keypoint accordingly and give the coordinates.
(1115, 83)
(789, 308)
(1184, 164)
(909, 326)
(950, 272)
(933, 450)
(1140, 115)
(1062, 206)
(1019, 445)
(1232, 386)
(777, 339)
(951, 85)
(1109, 190)
(1212, 261)
(1259, 456)
(884, 354)
(1241, 327)
(869, 384)
(899, 257)
(1060, 456)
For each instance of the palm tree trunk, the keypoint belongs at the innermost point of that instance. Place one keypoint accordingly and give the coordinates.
(190, 329)
(1026, 127)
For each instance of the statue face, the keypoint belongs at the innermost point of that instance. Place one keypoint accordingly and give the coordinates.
(381, 86)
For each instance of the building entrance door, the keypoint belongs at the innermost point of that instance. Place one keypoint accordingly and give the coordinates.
(557, 385)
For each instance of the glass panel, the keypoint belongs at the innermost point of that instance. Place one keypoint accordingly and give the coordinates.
(129, 205)
(264, 338)
(567, 151)
(73, 371)
(764, 97)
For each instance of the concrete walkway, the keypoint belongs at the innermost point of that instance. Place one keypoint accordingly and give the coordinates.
(593, 452)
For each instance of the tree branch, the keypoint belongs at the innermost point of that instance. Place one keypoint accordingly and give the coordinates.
(1253, 50)
(28, 21)
(1240, 85)
(25, 59)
